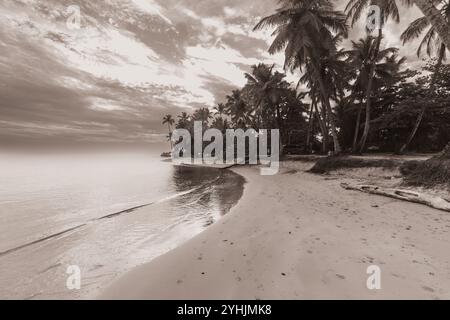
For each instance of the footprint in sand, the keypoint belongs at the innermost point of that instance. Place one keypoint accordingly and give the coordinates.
(427, 289)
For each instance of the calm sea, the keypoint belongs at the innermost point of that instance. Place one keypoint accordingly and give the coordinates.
(105, 212)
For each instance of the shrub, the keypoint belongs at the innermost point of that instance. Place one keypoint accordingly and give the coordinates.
(429, 173)
(325, 165)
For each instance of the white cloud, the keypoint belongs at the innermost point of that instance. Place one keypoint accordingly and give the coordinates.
(151, 7)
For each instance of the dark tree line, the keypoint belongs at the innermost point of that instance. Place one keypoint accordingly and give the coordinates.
(358, 98)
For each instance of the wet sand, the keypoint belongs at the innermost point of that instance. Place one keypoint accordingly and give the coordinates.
(301, 236)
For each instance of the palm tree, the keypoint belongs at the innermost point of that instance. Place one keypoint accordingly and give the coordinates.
(203, 115)
(332, 71)
(220, 109)
(389, 9)
(266, 89)
(362, 59)
(220, 124)
(184, 121)
(305, 30)
(168, 119)
(432, 41)
(435, 18)
(238, 109)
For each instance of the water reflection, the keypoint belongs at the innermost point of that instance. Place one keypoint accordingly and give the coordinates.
(213, 190)
(189, 200)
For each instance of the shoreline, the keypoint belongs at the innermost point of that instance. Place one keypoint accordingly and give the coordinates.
(312, 241)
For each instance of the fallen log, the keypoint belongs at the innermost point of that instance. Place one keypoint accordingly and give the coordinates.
(405, 195)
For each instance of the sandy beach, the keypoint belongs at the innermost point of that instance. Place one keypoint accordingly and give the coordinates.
(311, 240)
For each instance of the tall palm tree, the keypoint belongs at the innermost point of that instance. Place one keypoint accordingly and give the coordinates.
(170, 121)
(333, 73)
(389, 9)
(433, 15)
(432, 41)
(362, 59)
(305, 30)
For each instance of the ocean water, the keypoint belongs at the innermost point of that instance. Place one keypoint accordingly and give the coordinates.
(105, 212)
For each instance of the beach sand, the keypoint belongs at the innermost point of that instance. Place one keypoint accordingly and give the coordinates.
(301, 236)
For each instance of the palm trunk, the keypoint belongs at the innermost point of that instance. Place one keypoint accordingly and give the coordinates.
(323, 129)
(310, 127)
(424, 108)
(357, 126)
(436, 19)
(170, 137)
(326, 101)
(280, 126)
(337, 146)
(362, 143)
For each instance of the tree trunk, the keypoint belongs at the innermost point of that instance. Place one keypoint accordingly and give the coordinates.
(362, 143)
(310, 126)
(357, 126)
(323, 129)
(170, 137)
(326, 101)
(424, 108)
(281, 128)
(436, 19)
(406, 195)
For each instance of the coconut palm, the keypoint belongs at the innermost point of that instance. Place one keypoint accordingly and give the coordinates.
(332, 71)
(220, 123)
(266, 89)
(238, 109)
(170, 121)
(305, 30)
(386, 66)
(203, 115)
(432, 42)
(389, 9)
(220, 109)
(184, 121)
(431, 12)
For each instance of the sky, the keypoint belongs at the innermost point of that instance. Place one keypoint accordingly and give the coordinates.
(130, 63)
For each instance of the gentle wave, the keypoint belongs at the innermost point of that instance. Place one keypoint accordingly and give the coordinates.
(108, 216)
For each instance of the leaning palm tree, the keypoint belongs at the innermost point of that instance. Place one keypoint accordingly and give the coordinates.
(305, 30)
(388, 9)
(333, 73)
(170, 121)
(431, 12)
(432, 42)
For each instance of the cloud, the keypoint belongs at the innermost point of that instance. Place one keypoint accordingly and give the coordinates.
(132, 62)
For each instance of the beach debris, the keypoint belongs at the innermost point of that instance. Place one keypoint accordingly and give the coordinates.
(406, 195)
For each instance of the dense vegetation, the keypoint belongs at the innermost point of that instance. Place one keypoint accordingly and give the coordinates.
(359, 98)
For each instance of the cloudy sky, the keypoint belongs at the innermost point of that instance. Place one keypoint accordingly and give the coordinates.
(130, 63)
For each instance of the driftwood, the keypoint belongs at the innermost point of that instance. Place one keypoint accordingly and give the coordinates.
(406, 195)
